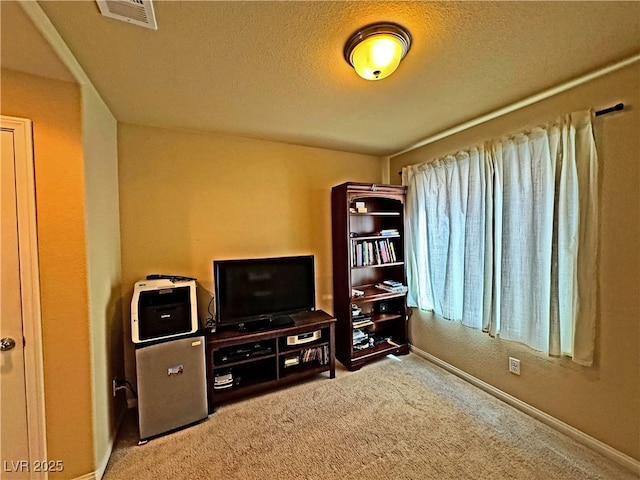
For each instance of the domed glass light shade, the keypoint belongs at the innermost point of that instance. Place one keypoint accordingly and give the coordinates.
(376, 50)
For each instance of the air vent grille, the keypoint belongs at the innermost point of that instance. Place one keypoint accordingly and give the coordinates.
(138, 12)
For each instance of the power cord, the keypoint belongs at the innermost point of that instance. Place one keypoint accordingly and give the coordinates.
(173, 278)
(210, 322)
(123, 385)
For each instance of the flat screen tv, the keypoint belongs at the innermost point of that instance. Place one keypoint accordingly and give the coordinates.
(262, 292)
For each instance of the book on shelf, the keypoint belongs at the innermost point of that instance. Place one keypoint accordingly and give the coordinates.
(373, 340)
(373, 252)
(389, 231)
(313, 354)
(364, 341)
(378, 339)
(291, 361)
(359, 321)
(359, 337)
(362, 323)
(393, 252)
(399, 288)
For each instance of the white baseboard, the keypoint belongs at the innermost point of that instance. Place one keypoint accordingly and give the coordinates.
(572, 432)
(87, 476)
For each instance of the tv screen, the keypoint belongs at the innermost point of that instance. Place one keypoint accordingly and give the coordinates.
(249, 290)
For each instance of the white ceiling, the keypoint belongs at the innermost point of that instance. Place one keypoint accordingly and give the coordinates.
(275, 70)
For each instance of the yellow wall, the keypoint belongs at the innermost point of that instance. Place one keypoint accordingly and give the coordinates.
(604, 400)
(189, 198)
(55, 108)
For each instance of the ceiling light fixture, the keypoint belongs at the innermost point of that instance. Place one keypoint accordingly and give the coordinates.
(375, 51)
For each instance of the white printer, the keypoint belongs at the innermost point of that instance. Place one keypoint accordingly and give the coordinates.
(163, 308)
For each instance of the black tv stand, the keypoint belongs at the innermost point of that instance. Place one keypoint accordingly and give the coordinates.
(266, 323)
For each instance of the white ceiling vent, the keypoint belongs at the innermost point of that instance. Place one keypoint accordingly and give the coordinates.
(138, 12)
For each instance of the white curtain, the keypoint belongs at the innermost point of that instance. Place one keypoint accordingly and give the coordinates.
(502, 237)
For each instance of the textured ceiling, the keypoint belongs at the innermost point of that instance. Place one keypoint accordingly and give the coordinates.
(23, 48)
(274, 70)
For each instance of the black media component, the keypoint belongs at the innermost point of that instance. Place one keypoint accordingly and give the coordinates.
(242, 352)
(261, 293)
(383, 307)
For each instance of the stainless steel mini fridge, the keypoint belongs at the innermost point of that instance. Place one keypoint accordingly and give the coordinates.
(172, 385)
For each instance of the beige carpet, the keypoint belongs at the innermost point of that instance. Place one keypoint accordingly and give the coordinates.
(399, 418)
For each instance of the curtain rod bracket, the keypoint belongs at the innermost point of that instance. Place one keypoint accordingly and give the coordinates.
(615, 108)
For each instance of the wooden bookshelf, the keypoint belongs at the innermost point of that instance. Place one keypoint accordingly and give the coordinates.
(387, 330)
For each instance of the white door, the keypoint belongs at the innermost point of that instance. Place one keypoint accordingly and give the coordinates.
(14, 442)
(22, 433)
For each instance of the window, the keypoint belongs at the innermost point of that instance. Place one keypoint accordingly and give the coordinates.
(502, 237)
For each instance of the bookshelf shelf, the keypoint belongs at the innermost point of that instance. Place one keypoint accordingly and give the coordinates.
(384, 317)
(381, 265)
(376, 214)
(373, 237)
(373, 353)
(373, 294)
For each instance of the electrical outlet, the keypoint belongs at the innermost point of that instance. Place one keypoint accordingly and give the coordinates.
(514, 365)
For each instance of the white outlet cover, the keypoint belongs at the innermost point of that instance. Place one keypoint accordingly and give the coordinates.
(514, 365)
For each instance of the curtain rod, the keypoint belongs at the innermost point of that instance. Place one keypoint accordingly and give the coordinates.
(524, 103)
(616, 108)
